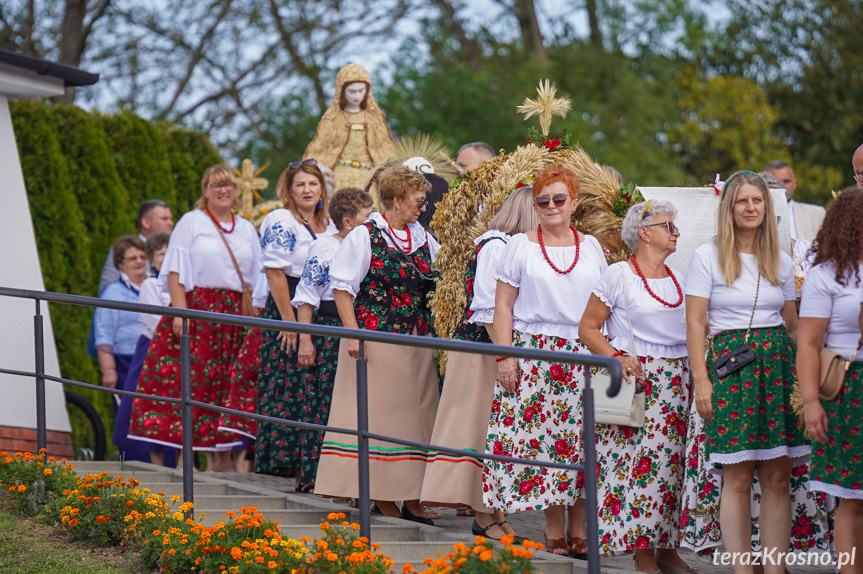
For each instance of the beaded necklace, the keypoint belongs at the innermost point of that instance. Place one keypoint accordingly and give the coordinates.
(219, 223)
(406, 239)
(548, 259)
(649, 290)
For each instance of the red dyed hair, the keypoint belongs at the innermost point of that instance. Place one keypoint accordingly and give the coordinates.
(553, 173)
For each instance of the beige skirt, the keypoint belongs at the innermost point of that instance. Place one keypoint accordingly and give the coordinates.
(462, 423)
(403, 401)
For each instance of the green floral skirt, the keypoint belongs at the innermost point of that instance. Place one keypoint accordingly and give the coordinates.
(837, 467)
(752, 415)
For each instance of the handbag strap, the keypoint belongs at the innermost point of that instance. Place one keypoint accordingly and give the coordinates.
(626, 305)
(754, 305)
(230, 252)
(309, 228)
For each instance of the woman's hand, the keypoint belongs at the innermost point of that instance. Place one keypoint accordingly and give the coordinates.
(507, 374)
(704, 400)
(110, 378)
(178, 327)
(306, 355)
(630, 366)
(354, 349)
(816, 421)
(287, 341)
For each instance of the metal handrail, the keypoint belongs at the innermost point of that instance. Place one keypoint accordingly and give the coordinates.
(362, 433)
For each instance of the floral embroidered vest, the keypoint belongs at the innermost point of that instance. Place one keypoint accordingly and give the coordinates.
(393, 296)
(472, 331)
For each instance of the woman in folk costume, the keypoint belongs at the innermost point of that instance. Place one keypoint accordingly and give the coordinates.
(829, 316)
(199, 273)
(286, 235)
(382, 278)
(350, 207)
(742, 392)
(352, 137)
(465, 407)
(641, 470)
(544, 280)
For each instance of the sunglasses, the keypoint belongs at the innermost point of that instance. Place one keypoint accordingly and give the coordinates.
(300, 163)
(669, 226)
(543, 201)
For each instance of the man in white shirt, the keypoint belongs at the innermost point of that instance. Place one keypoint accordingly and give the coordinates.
(804, 219)
(857, 164)
(153, 215)
(472, 154)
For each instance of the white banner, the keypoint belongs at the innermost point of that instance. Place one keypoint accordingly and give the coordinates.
(696, 218)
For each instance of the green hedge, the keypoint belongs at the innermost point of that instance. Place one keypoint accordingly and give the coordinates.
(85, 175)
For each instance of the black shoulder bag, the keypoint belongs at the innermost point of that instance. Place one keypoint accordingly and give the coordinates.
(742, 355)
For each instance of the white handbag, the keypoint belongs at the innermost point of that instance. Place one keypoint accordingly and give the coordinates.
(627, 408)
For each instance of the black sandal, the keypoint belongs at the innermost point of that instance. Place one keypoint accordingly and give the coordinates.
(515, 538)
(305, 489)
(481, 531)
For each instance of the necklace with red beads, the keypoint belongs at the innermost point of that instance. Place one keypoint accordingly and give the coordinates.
(219, 223)
(654, 295)
(407, 239)
(548, 259)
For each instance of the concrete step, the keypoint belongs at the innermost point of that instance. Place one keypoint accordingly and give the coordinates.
(142, 476)
(201, 488)
(380, 533)
(235, 502)
(307, 518)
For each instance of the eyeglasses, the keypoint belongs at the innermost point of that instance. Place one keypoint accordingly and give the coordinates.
(669, 226)
(543, 201)
(225, 185)
(135, 258)
(420, 202)
(858, 176)
(300, 163)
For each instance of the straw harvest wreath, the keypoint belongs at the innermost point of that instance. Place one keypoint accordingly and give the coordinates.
(465, 211)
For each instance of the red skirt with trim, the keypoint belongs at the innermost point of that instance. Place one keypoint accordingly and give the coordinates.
(214, 348)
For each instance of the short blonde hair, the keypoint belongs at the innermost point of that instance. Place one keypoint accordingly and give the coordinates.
(398, 181)
(517, 214)
(216, 174)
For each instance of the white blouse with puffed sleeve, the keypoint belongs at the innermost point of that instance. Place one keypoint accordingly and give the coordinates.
(351, 263)
(548, 302)
(285, 243)
(315, 283)
(197, 254)
(659, 330)
(484, 283)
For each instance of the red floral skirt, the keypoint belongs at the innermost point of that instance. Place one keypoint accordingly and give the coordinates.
(214, 348)
(243, 395)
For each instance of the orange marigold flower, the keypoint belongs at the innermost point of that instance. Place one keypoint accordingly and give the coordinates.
(47, 471)
(259, 559)
(479, 539)
(357, 544)
(407, 568)
(507, 540)
(486, 556)
(21, 488)
(271, 565)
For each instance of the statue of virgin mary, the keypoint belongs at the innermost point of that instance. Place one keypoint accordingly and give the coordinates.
(352, 137)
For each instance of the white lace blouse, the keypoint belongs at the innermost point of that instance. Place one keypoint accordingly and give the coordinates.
(351, 262)
(659, 330)
(198, 255)
(315, 283)
(285, 243)
(549, 303)
(484, 283)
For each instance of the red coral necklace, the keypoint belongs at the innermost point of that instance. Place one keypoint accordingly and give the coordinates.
(649, 290)
(548, 259)
(219, 223)
(407, 239)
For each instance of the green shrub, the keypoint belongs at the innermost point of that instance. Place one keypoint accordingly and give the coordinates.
(189, 153)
